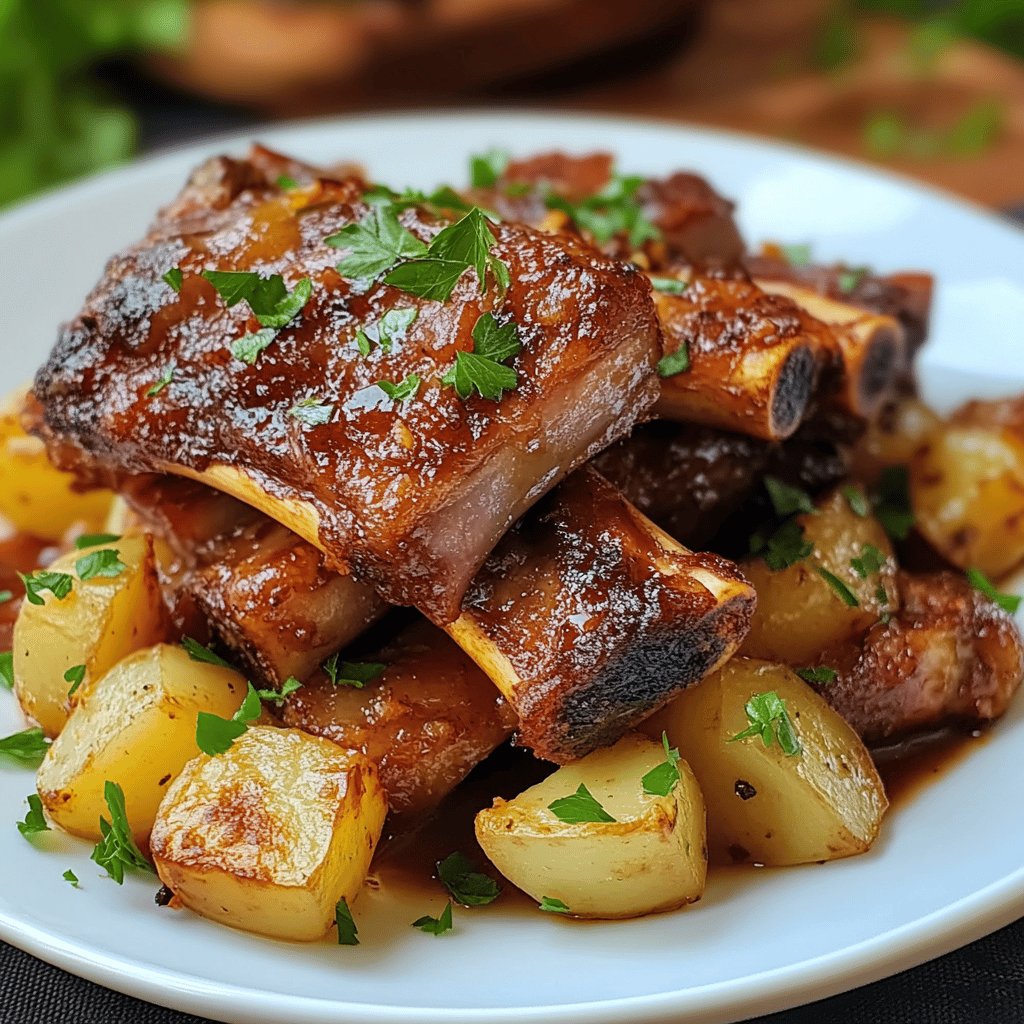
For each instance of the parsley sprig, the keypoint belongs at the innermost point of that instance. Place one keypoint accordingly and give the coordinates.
(352, 673)
(769, 719)
(117, 850)
(615, 210)
(1008, 602)
(375, 244)
(27, 747)
(579, 807)
(552, 906)
(198, 652)
(215, 735)
(35, 820)
(467, 886)
(663, 778)
(271, 302)
(348, 933)
(483, 369)
(59, 584)
(819, 675)
(436, 925)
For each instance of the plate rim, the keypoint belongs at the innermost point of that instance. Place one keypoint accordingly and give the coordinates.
(938, 933)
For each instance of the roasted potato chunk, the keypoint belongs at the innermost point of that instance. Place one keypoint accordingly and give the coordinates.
(891, 439)
(269, 836)
(800, 613)
(36, 496)
(99, 622)
(137, 727)
(652, 857)
(967, 486)
(765, 805)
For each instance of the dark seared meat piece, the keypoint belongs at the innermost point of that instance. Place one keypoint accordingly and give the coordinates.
(408, 496)
(428, 719)
(950, 655)
(588, 618)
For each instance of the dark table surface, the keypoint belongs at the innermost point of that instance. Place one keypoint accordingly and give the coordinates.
(980, 984)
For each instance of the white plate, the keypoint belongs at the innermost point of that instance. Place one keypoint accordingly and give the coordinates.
(948, 867)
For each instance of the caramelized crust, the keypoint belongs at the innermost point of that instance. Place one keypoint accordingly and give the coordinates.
(410, 496)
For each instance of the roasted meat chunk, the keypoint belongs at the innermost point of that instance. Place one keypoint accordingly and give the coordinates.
(411, 494)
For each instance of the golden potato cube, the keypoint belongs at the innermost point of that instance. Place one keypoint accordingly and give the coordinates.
(800, 614)
(269, 836)
(967, 486)
(36, 496)
(101, 621)
(137, 727)
(764, 805)
(651, 858)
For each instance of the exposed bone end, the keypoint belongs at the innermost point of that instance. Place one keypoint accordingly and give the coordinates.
(589, 618)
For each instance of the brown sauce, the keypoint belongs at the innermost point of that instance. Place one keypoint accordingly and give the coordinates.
(911, 765)
(19, 552)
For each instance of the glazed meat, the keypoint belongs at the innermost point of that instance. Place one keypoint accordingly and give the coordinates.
(408, 495)
(950, 655)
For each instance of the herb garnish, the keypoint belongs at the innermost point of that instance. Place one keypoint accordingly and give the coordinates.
(7, 670)
(663, 778)
(57, 583)
(28, 746)
(404, 390)
(311, 412)
(5, 596)
(347, 931)
(215, 735)
(74, 676)
(786, 499)
(483, 369)
(783, 548)
(850, 278)
(1008, 602)
(797, 255)
(197, 652)
(117, 850)
(552, 906)
(173, 278)
(352, 673)
(870, 561)
(71, 878)
(669, 285)
(390, 328)
(820, 675)
(247, 348)
(105, 563)
(92, 540)
(855, 499)
(288, 687)
(769, 719)
(162, 381)
(268, 297)
(35, 821)
(285, 182)
(375, 244)
(467, 886)
(579, 807)
(841, 590)
(486, 168)
(612, 211)
(675, 362)
(436, 925)
(892, 506)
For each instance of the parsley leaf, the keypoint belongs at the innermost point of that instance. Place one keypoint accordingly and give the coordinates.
(374, 244)
(855, 499)
(663, 778)
(71, 878)
(92, 540)
(820, 674)
(785, 547)
(892, 506)
(580, 807)
(74, 676)
(850, 278)
(352, 673)
(28, 746)
(553, 906)
(288, 687)
(197, 652)
(403, 390)
(7, 670)
(35, 821)
(870, 561)
(469, 887)
(798, 255)
(436, 925)
(841, 590)
(390, 328)
(268, 297)
(769, 719)
(482, 370)
(311, 412)
(486, 168)
(669, 285)
(347, 931)
(5, 596)
(1008, 602)
(105, 563)
(285, 182)
(247, 348)
(675, 362)
(613, 211)
(173, 278)
(215, 735)
(117, 850)
(786, 499)
(57, 583)
(162, 381)
(428, 278)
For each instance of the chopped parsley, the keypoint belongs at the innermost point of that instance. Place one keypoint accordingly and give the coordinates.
(311, 412)
(786, 499)
(105, 563)
(819, 675)
(870, 561)
(74, 676)
(93, 540)
(173, 278)
(486, 168)
(1008, 602)
(443, 198)
(35, 821)
(467, 886)
(850, 278)
(198, 652)
(892, 505)
(5, 596)
(404, 390)
(247, 348)
(285, 182)
(615, 210)
(162, 381)
(578, 808)
(856, 500)
(348, 933)
(117, 850)
(268, 297)
(390, 328)
(28, 747)
(552, 906)
(769, 719)
(797, 255)
(288, 687)
(669, 285)
(352, 673)
(663, 778)
(215, 735)
(436, 925)
(882, 597)
(783, 548)
(839, 588)
(71, 878)
(375, 244)
(483, 369)
(675, 362)
(7, 670)
(57, 583)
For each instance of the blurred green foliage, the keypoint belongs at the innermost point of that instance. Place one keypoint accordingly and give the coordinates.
(55, 123)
